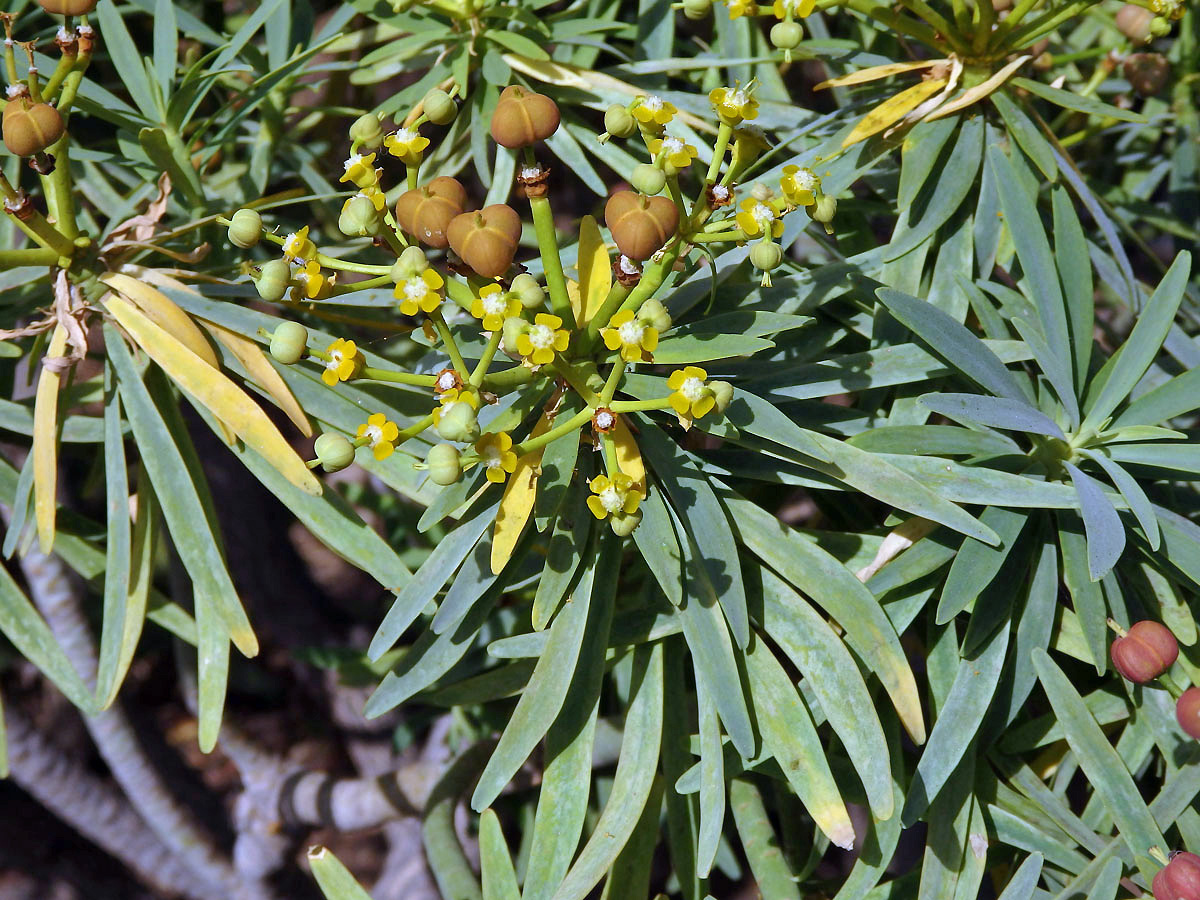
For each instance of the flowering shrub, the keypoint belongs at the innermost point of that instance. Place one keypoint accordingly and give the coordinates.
(756, 451)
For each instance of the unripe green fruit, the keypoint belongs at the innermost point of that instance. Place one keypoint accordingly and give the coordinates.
(722, 395)
(696, 9)
(458, 422)
(624, 524)
(530, 293)
(289, 342)
(766, 256)
(514, 327)
(439, 107)
(787, 35)
(359, 217)
(412, 262)
(334, 451)
(367, 131)
(654, 314)
(1160, 27)
(648, 179)
(245, 228)
(273, 280)
(445, 464)
(619, 121)
(826, 207)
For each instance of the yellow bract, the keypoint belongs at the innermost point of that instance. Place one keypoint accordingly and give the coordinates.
(45, 442)
(256, 364)
(892, 110)
(517, 503)
(629, 457)
(595, 272)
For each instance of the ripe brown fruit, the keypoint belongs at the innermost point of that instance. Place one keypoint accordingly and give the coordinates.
(30, 127)
(426, 212)
(486, 239)
(1187, 713)
(523, 118)
(640, 225)
(1134, 22)
(1145, 651)
(1147, 73)
(68, 7)
(1179, 879)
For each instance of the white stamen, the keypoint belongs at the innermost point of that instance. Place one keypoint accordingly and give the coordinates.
(672, 145)
(374, 434)
(335, 359)
(352, 161)
(631, 333)
(415, 289)
(446, 381)
(493, 304)
(628, 266)
(763, 214)
(605, 420)
(611, 499)
(542, 337)
(652, 103)
(692, 389)
(406, 135)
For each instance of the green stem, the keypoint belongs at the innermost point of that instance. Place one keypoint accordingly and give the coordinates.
(985, 18)
(1045, 23)
(27, 256)
(574, 423)
(724, 133)
(1012, 20)
(460, 293)
(485, 361)
(66, 63)
(59, 189)
(913, 28)
(677, 196)
(373, 373)
(508, 378)
(703, 238)
(628, 406)
(939, 22)
(610, 454)
(556, 282)
(414, 429)
(567, 371)
(452, 351)
(370, 283)
(614, 379)
(652, 278)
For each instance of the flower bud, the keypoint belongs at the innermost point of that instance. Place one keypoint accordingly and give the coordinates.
(273, 280)
(654, 314)
(696, 9)
(1144, 652)
(1160, 26)
(619, 121)
(359, 217)
(444, 463)
(766, 256)
(458, 422)
(30, 127)
(1134, 22)
(825, 209)
(722, 395)
(528, 291)
(486, 240)
(68, 7)
(787, 35)
(439, 107)
(334, 451)
(1179, 879)
(367, 131)
(1187, 713)
(245, 228)
(411, 264)
(640, 225)
(648, 179)
(625, 523)
(289, 342)
(1147, 73)
(523, 117)
(514, 327)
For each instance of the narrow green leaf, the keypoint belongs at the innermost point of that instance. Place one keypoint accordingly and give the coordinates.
(1159, 405)
(993, 412)
(1086, 595)
(568, 543)
(630, 873)
(976, 564)
(129, 69)
(166, 45)
(1105, 770)
(712, 778)
(333, 878)
(768, 864)
(495, 863)
(1077, 102)
(1102, 525)
(658, 542)
(212, 656)
(1138, 502)
(1075, 273)
(1027, 136)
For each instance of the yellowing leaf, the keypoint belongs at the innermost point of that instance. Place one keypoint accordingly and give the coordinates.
(892, 110)
(45, 442)
(874, 73)
(629, 457)
(977, 93)
(164, 312)
(517, 502)
(595, 272)
(250, 355)
(213, 390)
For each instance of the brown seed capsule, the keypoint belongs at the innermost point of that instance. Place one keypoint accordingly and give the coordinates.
(1147, 73)
(640, 225)
(486, 239)
(68, 7)
(426, 212)
(1146, 651)
(1187, 712)
(1134, 22)
(1179, 879)
(523, 118)
(30, 127)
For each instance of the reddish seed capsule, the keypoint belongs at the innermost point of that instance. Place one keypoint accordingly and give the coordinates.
(523, 117)
(640, 225)
(1179, 879)
(486, 240)
(1146, 651)
(1187, 711)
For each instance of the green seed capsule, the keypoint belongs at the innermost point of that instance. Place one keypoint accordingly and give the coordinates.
(530, 293)
(273, 280)
(826, 208)
(514, 327)
(722, 395)
(624, 524)
(766, 256)
(697, 9)
(367, 131)
(648, 179)
(359, 217)
(439, 107)
(412, 263)
(619, 121)
(334, 451)
(245, 228)
(445, 464)
(787, 35)
(458, 422)
(289, 342)
(654, 314)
